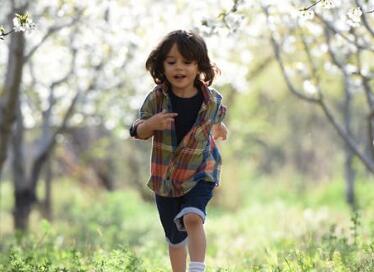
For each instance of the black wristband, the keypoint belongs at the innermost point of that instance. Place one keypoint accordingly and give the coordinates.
(133, 129)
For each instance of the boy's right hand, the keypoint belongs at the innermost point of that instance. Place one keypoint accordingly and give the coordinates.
(161, 120)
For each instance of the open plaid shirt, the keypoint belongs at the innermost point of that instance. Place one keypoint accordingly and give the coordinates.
(176, 169)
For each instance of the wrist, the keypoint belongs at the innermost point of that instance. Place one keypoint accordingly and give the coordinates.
(134, 128)
(145, 129)
(148, 125)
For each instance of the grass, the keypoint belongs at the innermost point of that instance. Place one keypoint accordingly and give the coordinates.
(268, 226)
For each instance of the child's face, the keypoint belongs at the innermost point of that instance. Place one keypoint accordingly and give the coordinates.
(180, 72)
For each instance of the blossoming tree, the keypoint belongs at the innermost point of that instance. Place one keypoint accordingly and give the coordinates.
(325, 45)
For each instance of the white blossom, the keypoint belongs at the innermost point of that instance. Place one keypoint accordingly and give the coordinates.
(2, 32)
(353, 23)
(309, 88)
(354, 16)
(307, 15)
(328, 4)
(23, 23)
(365, 70)
(350, 68)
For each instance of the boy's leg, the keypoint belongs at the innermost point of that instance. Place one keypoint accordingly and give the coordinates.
(178, 256)
(168, 208)
(196, 237)
(191, 219)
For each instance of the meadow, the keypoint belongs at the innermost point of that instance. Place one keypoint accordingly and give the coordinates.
(276, 226)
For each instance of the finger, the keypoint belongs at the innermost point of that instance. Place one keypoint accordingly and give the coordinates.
(170, 114)
(167, 122)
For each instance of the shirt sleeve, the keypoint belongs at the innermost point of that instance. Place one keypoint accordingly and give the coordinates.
(147, 110)
(220, 114)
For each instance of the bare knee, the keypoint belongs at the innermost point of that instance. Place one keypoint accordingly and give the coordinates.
(192, 219)
(177, 249)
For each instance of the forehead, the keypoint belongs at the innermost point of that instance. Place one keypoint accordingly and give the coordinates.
(174, 52)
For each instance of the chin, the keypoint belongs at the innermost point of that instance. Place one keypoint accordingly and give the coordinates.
(180, 86)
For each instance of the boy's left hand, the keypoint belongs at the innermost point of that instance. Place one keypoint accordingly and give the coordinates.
(219, 131)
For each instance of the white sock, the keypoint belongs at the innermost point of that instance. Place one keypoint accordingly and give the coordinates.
(196, 267)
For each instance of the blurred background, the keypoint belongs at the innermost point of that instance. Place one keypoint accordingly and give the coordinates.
(297, 187)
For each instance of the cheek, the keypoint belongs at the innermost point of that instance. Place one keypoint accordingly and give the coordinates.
(167, 69)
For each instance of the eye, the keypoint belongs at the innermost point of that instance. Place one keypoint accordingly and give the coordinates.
(171, 62)
(187, 62)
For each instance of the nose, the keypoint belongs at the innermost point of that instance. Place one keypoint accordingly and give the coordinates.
(179, 65)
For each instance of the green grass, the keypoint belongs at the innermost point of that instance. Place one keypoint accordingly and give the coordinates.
(270, 225)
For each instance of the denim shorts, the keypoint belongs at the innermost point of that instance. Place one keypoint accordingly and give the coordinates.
(172, 209)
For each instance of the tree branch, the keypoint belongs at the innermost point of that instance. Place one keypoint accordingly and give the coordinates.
(313, 66)
(276, 49)
(331, 52)
(347, 138)
(334, 30)
(45, 152)
(364, 80)
(366, 161)
(52, 100)
(364, 19)
(309, 7)
(35, 107)
(52, 30)
(370, 120)
(369, 98)
(320, 101)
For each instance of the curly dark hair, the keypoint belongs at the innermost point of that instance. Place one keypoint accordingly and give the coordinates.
(191, 46)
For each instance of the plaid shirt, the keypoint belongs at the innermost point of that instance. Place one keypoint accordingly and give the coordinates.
(176, 169)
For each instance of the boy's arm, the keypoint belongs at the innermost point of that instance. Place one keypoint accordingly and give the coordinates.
(142, 130)
(160, 121)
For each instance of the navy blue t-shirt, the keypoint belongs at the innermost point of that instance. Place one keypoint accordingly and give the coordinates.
(187, 109)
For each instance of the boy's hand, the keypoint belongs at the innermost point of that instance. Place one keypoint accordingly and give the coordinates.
(219, 131)
(161, 120)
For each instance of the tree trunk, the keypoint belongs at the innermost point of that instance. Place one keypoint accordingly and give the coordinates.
(47, 203)
(349, 178)
(22, 193)
(349, 172)
(8, 100)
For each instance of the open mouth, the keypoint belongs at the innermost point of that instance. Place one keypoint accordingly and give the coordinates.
(179, 77)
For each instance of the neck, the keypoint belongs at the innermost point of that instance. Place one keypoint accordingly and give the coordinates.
(185, 93)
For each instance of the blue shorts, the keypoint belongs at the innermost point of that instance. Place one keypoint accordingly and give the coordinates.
(172, 209)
